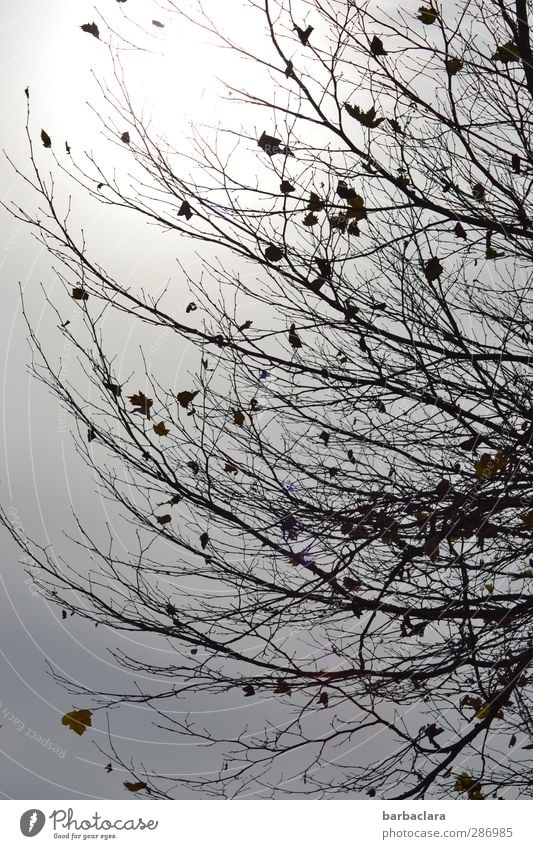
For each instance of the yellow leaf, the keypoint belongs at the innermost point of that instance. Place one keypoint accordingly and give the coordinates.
(77, 720)
(489, 587)
(427, 14)
(507, 52)
(357, 207)
(488, 466)
(453, 66)
(485, 710)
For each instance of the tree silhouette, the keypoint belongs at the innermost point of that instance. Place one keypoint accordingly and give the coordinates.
(344, 484)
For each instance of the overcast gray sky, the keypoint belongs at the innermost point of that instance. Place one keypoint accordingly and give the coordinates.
(43, 47)
(41, 479)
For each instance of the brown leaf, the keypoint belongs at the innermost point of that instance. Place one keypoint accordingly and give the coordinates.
(185, 398)
(351, 584)
(488, 466)
(442, 488)
(376, 47)
(431, 547)
(161, 429)
(185, 210)
(79, 294)
(433, 269)
(303, 34)
(164, 520)
(114, 388)
(135, 787)
(273, 253)
(78, 721)
(142, 403)
(238, 417)
(294, 339)
(204, 539)
(92, 29)
(45, 138)
(286, 188)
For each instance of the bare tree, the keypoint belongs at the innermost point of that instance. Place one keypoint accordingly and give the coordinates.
(343, 487)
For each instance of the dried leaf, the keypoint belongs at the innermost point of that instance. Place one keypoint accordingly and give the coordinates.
(161, 429)
(92, 29)
(78, 721)
(185, 398)
(135, 787)
(185, 210)
(433, 269)
(80, 294)
(294, 339)
(142, 403)
(506, 53)
(453, 66)
(45, 138)
(273, 253)
(271, 145)
(367, 119)
(356, 207)
(488, 466)
(376, 47)
(427, 14)
(303, 34)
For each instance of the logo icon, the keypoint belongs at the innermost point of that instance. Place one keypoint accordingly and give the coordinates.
(32, 822)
